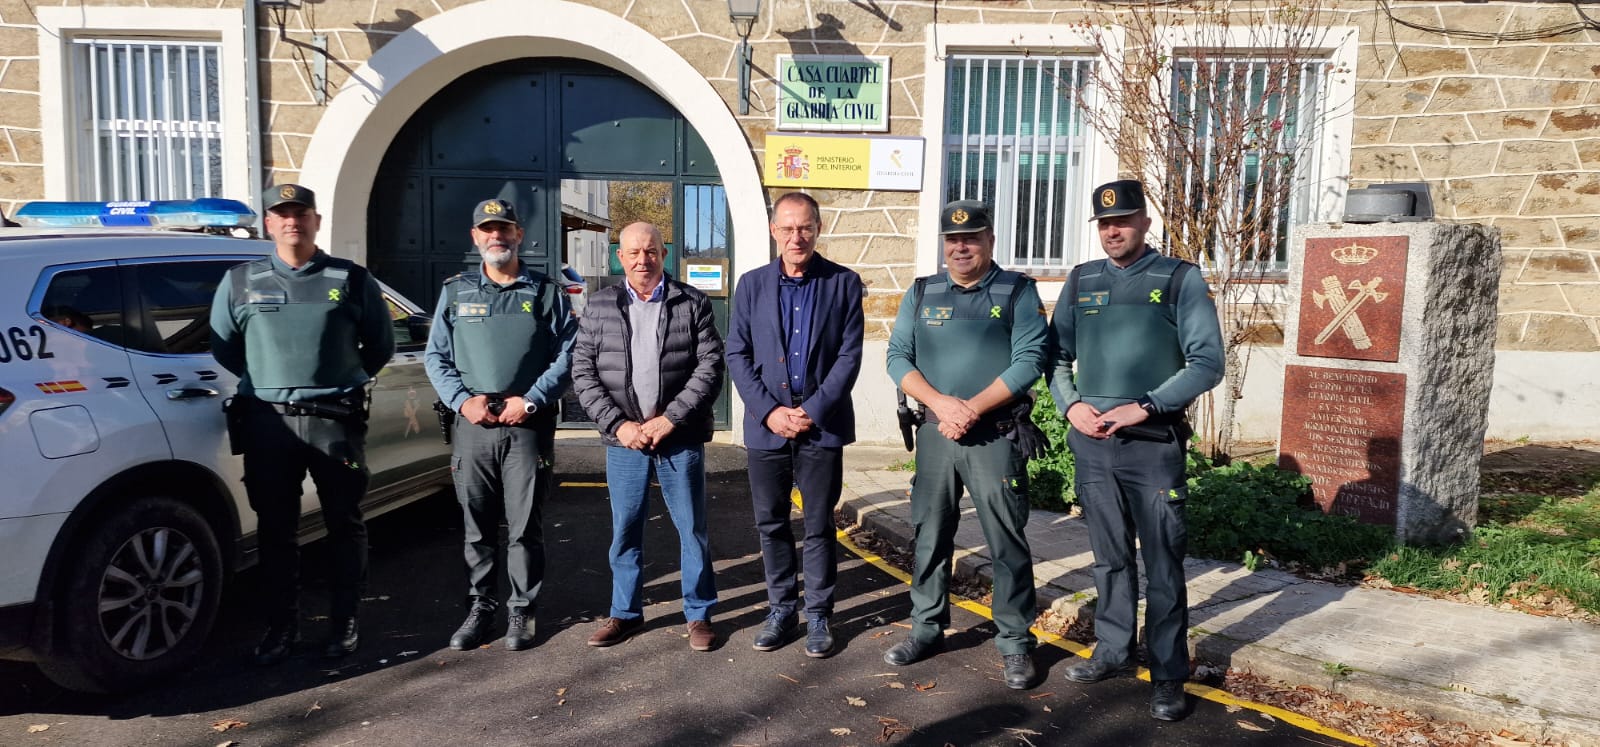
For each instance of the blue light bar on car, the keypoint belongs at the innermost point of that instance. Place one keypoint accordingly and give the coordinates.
(206, 212)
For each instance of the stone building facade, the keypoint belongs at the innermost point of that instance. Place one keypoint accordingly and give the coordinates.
(1496, 105)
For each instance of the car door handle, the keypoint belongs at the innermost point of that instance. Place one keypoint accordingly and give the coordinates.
(191, 392)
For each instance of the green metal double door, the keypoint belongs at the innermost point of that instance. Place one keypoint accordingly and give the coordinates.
(520, 130)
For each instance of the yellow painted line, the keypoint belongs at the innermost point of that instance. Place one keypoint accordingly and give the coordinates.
(582, 485)
(1194, 688)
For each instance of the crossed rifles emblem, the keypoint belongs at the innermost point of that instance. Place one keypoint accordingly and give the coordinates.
(1345, 307)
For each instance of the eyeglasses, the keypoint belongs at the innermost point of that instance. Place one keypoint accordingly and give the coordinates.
(804, 232)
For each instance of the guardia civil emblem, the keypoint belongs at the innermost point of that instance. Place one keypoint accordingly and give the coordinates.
(286, 193)
(1108, 197)
(959, 216)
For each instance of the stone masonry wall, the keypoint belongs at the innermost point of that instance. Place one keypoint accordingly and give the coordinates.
(1506, 132)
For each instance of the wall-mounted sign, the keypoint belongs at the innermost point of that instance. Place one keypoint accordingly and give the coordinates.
(833, 93)
(843, 162)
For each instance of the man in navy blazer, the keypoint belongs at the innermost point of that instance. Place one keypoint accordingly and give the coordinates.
(794, 350)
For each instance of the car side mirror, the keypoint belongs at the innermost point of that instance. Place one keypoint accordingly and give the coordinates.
(418, 326)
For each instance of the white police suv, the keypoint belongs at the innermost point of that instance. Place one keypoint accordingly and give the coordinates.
(122, 514)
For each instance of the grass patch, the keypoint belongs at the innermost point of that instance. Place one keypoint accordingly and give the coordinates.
(1535, 552)
(909, 465)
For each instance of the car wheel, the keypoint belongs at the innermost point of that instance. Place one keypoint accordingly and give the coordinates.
(139, 600)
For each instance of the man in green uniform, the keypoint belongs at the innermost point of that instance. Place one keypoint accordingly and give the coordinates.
(305, 332)
(968, 344)
(1141, 331)
(499, 354)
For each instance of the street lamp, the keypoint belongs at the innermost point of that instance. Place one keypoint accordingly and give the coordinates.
(743, 13)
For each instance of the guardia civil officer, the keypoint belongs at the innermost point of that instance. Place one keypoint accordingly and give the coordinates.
(1140, 331)
(500, 355)
(305, 332)
(968, 344)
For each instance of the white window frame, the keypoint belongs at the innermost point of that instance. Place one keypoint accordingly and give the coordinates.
(949, 40)
(61, 105)
(1336, 111)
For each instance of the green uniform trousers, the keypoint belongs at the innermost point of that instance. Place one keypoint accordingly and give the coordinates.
(1129, 489)
(987, 465)
(499, 476)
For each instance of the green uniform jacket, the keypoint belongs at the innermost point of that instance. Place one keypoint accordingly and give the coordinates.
(1192, 323)
(359, 318)
(961, 344)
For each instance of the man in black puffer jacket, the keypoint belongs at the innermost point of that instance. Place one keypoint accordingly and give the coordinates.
(647, 367)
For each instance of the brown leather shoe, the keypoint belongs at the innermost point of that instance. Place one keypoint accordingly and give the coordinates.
(616, 630)
(701, 636)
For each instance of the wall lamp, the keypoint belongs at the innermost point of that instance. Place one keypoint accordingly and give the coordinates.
(744, 13)
(279, 10)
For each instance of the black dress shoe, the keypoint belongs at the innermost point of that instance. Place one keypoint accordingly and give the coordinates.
(343, 638)
(474, 629)
(1167, 701)
(519, 632)
(277, 644)
(911, 651)
(819, 637)
(1094, 670)
(1020, 673)
(775, 631)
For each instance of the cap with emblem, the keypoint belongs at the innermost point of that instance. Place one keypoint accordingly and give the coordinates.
(288, 194)
(494, 211)
(964, 216)
(1123, 197)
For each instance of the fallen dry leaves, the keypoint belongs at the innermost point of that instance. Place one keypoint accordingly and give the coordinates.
(228, 723)
(36, 728)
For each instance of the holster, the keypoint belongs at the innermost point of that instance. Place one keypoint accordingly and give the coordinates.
(447, 419)
(233, 415)
(908, 420)
(1159, 428)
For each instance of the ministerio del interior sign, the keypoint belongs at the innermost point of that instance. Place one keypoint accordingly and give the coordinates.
(833, 93)
(843, 162)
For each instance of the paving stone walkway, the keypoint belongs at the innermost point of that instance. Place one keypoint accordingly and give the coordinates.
(1491, 669)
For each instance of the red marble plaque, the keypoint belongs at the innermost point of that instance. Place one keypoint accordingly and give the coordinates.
(1351, 294)
(1341, 428)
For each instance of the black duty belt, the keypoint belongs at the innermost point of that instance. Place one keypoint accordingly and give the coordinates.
(340, 408)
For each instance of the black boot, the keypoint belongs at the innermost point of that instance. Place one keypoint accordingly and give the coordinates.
(277, 644)
(344, 635)
(473, 630)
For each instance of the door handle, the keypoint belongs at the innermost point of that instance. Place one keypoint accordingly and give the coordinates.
(191, 392)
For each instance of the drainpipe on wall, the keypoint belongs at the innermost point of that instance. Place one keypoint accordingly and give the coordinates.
(253, 103)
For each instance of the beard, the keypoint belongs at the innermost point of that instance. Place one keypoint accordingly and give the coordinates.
(497, 256)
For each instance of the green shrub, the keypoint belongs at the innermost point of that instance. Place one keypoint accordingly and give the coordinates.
(1050, 477)
(1240, 511)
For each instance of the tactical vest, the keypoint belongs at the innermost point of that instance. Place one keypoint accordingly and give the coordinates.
(303, 331)
(502, 337)
(1127, 335)
(983, 331)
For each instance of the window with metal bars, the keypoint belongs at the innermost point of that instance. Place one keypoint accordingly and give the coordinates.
(1248, 146)
(151, 119)
(1015, 138)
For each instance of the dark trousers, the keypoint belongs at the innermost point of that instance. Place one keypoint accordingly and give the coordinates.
(819, 473)
(497, 475)
(987, 466)
(279, 450)
(1131, 488)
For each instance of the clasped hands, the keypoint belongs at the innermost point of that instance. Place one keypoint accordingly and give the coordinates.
(955, 415)
(788, 422)
(646, 435)
(476, 411)
(1090, 421)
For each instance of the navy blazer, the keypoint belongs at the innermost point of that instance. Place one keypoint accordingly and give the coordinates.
(756, 352)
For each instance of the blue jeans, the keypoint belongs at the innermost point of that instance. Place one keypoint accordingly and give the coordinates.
(682, 474)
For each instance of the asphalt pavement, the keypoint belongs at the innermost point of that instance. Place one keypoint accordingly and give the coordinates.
(405, 687)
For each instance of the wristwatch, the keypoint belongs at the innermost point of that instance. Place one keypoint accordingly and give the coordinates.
(1146, 403)
(529, 407)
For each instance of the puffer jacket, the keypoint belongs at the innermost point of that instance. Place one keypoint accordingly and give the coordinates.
(691, 363)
